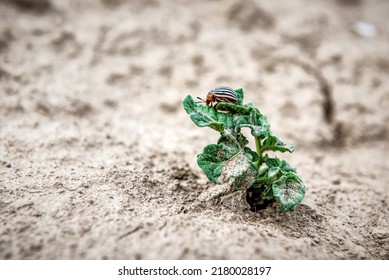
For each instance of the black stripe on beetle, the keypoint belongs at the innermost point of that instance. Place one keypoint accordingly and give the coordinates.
(220, 94)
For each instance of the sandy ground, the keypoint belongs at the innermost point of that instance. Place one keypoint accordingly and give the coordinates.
(98, 157)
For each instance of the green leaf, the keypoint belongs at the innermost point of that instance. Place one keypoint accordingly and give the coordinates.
(203, 115)
(276, 162)
(262, 171)
(268, 175)
(232, 108)
(253, 154)
(286, 167)
(239, 95)
(264, 179)
(273, 172)
(271, 162)
(255, 121)
(273, 143)
(289, 190)
(227, 161)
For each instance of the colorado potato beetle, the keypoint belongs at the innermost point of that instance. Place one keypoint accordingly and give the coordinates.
(220, 94)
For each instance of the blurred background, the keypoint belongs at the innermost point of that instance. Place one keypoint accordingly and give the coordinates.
(91, 101)
(322, 65)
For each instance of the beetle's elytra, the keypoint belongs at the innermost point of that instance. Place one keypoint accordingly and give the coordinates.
(220, 94)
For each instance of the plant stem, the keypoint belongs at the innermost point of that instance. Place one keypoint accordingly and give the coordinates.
(259, 152)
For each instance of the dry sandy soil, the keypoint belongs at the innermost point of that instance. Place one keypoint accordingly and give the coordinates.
(98, 157)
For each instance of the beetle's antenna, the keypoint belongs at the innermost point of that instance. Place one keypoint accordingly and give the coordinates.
(202, 100)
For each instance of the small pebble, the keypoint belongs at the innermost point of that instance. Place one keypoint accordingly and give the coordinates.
(365, 29)
(5, 164)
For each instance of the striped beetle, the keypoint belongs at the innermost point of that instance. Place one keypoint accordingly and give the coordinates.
(220, 94)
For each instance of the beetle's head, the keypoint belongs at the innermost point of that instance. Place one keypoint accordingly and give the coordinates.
(210, 97)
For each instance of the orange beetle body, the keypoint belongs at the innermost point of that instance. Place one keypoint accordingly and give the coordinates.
(220, 94)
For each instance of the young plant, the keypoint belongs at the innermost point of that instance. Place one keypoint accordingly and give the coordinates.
(231, 160)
